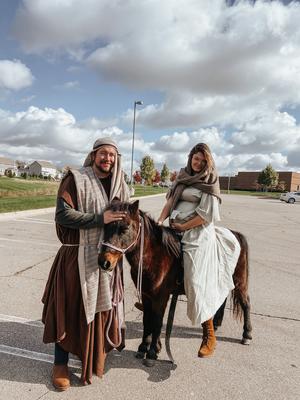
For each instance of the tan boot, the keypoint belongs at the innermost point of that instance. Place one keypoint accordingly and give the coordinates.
(208, 341)
(60, 377)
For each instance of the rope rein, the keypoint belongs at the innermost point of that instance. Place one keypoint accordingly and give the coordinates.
(116, 284)
(118, 296)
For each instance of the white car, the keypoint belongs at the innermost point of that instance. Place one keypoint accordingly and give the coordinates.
(290, 197)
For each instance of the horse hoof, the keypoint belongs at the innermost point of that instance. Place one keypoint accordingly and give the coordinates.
(246, 341)
(140, 355)
(149, 362)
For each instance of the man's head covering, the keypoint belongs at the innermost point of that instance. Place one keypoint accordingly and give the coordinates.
(106, 141)
(118, 185)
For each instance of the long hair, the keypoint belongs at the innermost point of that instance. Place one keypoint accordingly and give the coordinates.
(205, 150)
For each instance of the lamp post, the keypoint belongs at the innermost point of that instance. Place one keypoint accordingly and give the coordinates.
(228, 184)
(136, 103)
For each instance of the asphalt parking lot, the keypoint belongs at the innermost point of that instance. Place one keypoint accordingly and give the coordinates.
(267, 369)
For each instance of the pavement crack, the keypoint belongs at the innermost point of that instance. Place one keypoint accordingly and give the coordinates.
(31, 266)
(276, 317)
(43, 395)
(270, 316)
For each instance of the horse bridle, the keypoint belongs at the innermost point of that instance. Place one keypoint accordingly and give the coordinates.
(119, 249)
(140, 234)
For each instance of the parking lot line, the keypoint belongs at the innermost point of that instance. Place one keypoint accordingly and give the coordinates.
(19, 320)
(28, 241)
(34, 355)
(35, 221)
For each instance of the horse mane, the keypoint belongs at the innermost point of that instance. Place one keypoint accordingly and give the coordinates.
(163, 234)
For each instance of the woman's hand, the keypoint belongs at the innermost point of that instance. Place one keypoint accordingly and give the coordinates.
(112, 216)
(178, 227)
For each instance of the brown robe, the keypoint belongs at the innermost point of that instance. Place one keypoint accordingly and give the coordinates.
(63, 312)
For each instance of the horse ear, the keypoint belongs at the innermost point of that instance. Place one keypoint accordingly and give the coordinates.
(133, 208)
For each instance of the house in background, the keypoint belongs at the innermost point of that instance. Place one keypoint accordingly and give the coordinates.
(6, 164)
(44, 168)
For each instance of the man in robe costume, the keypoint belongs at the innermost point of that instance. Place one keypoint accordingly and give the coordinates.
(81, 313)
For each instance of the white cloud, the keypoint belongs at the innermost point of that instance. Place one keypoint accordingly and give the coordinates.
(212, 62)
(14, 75)
(27, 99)
(226, 74)
(55, 135)
(71, 84)
(273, 132)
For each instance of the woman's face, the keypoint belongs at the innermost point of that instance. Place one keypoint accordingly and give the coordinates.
(198, 162)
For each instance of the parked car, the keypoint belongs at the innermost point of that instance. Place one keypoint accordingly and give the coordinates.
(290, 197)
(166, 184)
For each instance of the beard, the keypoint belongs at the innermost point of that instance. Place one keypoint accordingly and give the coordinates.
(104, 167)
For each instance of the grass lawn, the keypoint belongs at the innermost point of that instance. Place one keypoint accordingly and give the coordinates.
(26, 194)
(140, 190)
(16, 187)
(20, 194)
(8, 204)
(275, 195)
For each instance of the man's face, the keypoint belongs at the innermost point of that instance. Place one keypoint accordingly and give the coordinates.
(105, 158)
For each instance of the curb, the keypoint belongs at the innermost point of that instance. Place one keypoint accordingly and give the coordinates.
(150, 195)
(26, 213)
(41, 211)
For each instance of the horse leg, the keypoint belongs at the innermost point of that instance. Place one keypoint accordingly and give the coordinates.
(147, 329)
(247, 328)
(158, 311)
(242, 303)
(218, 318)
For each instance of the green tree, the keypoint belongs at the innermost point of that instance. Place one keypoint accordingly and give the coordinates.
(268, 177)
(165, 173)
(147, 169)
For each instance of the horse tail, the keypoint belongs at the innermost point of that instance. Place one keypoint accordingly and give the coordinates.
(239, 295)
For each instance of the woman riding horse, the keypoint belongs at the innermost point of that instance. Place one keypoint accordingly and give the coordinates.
(210, 253)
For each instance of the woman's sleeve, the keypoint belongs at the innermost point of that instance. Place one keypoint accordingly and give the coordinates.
(208, 208)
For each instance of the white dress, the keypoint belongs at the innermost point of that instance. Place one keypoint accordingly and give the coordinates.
(210, 254)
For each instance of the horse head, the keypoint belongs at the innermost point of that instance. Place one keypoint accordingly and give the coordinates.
(119, 236)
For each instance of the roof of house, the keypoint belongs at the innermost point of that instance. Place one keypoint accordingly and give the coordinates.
(45, 164)
(6, 161)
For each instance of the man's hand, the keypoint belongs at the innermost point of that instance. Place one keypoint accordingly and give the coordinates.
(112, 216)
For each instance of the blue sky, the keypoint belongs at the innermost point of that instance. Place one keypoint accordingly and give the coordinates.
(206, 71)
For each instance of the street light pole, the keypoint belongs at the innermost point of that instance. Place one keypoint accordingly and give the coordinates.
(139, 103)
(228, 184)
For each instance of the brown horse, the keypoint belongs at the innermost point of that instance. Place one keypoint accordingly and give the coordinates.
(155, 251)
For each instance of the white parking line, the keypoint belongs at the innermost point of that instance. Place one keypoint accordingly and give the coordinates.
(19, 320)
(34, 355)
(33, 242)
(35, 221)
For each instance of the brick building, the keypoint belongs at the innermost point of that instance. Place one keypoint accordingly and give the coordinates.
(247, 181)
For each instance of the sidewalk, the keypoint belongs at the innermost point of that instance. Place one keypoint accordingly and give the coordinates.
(41, 211)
